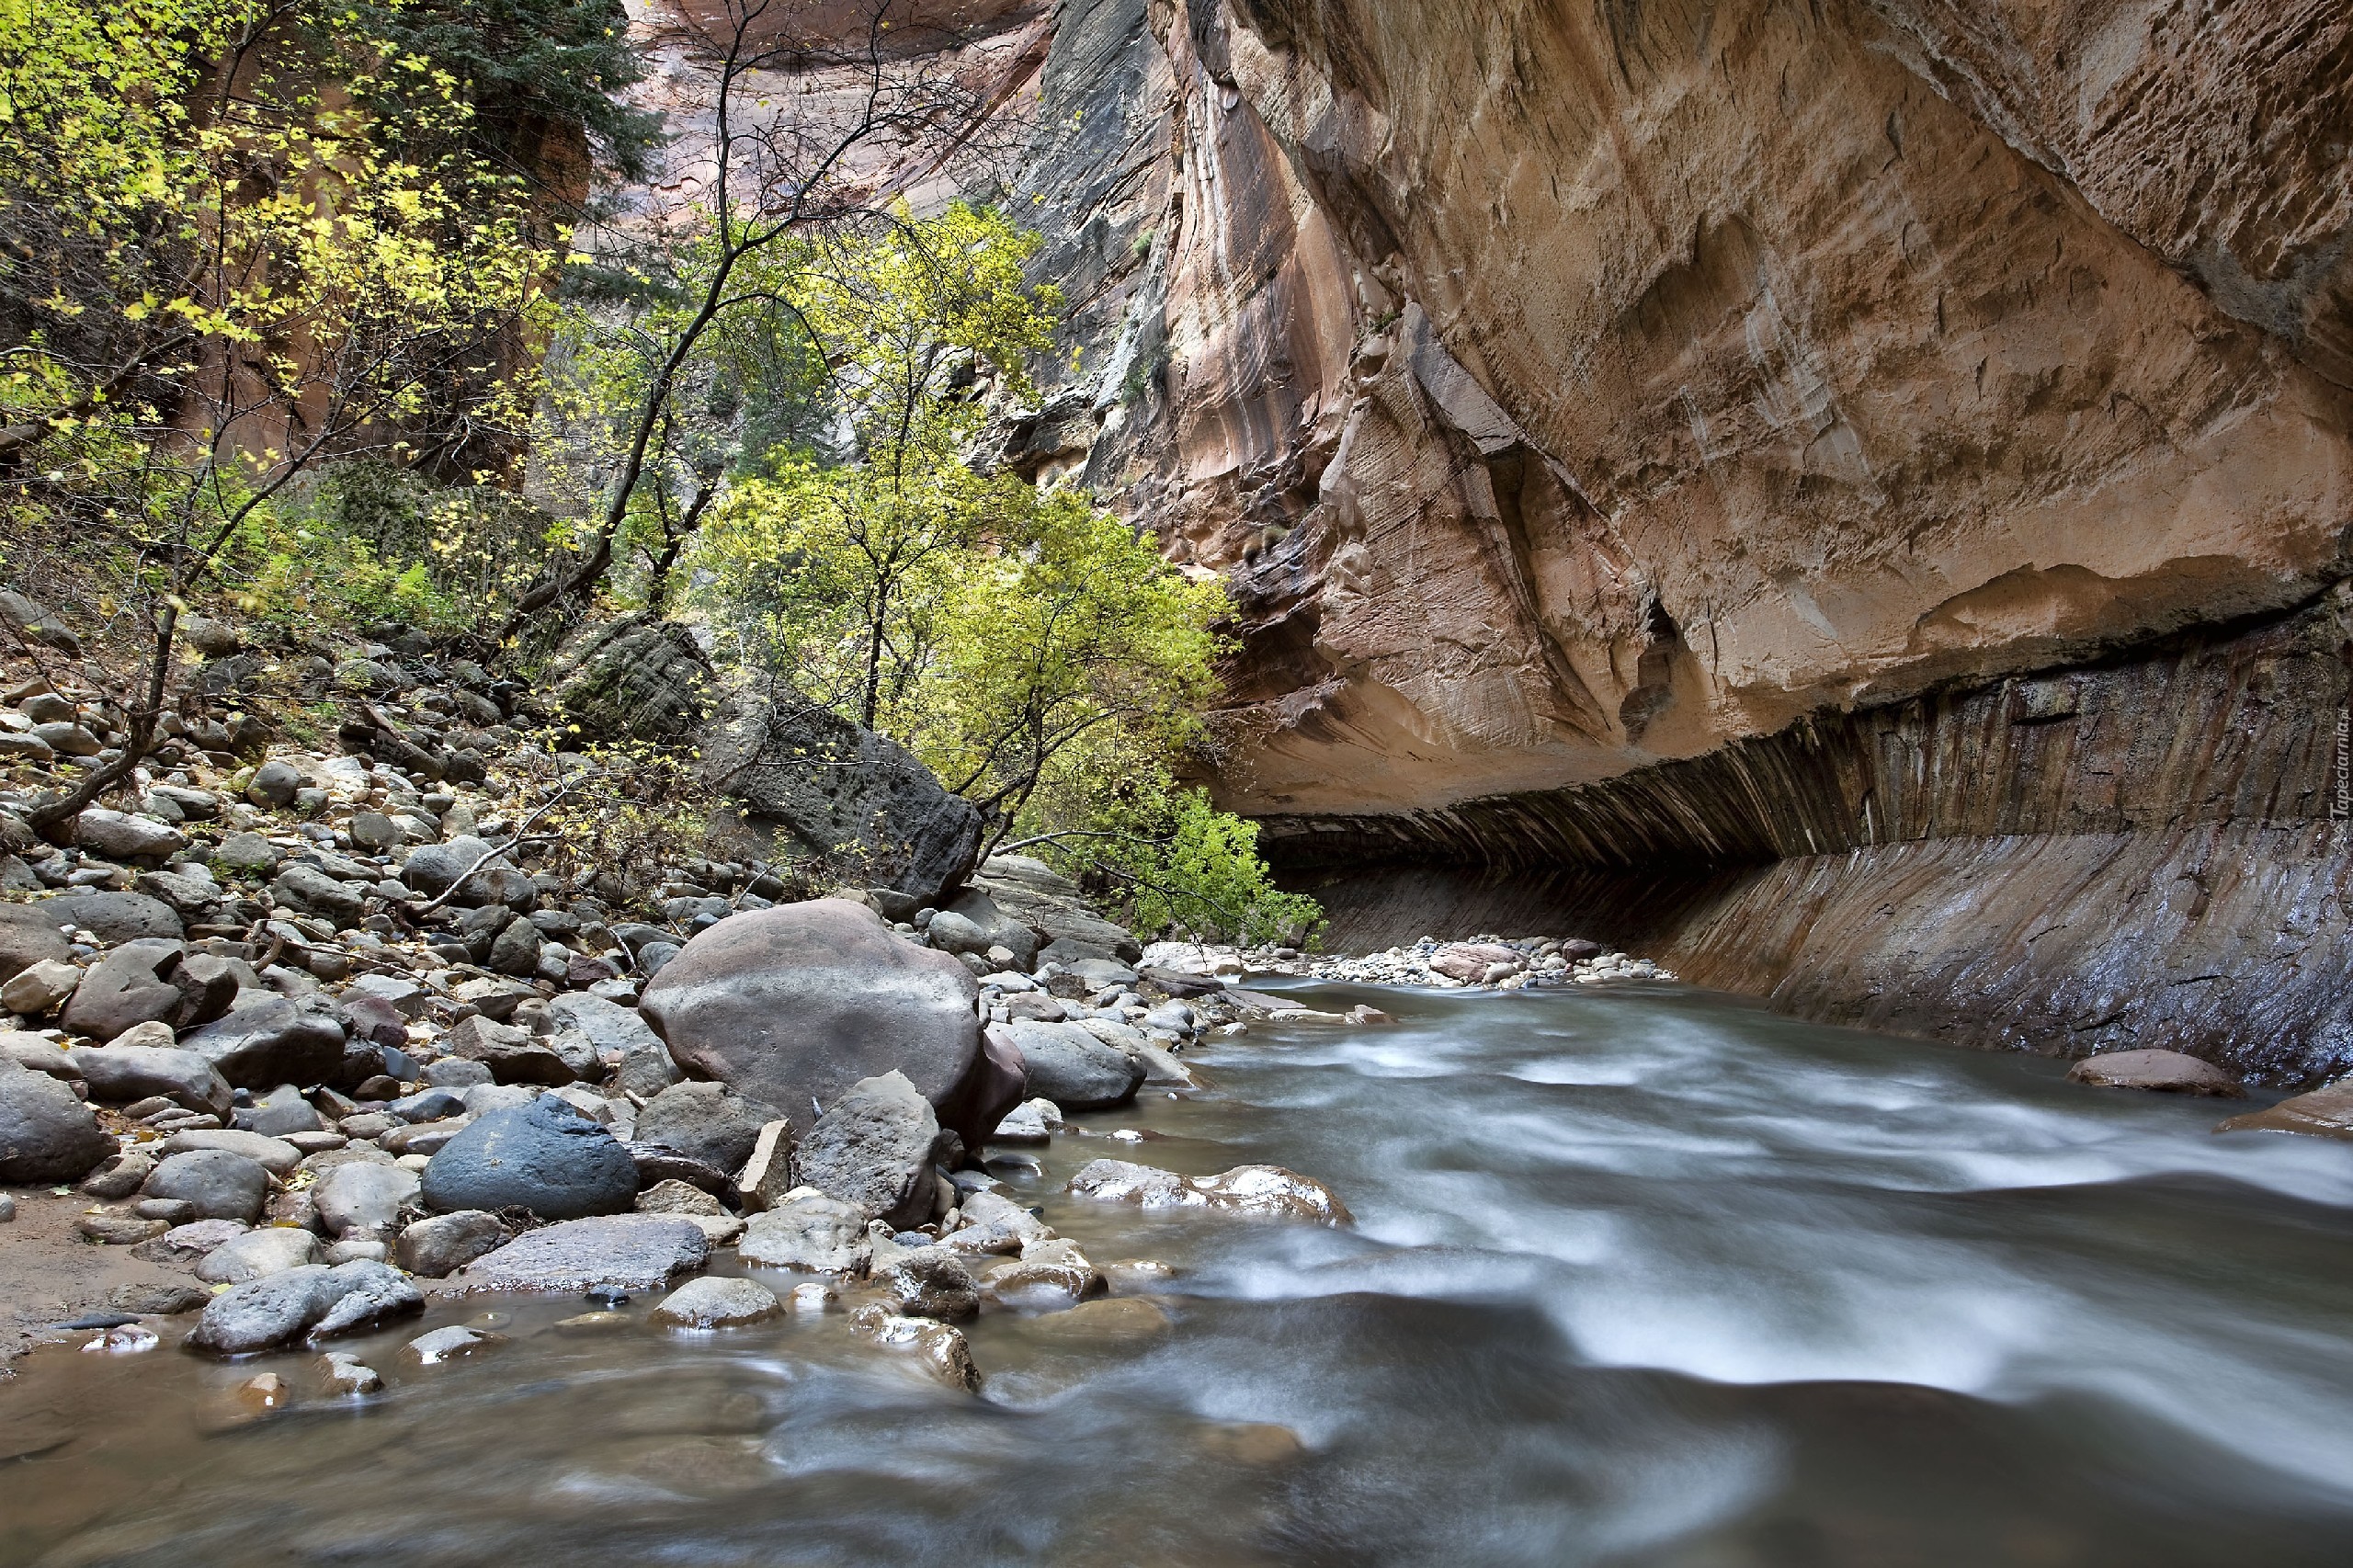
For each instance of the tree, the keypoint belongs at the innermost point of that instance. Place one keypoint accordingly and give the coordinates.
(811, 126)
(219, 276)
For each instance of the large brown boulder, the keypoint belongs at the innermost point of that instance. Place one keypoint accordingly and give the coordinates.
(2164, 1072)
(791, 1006)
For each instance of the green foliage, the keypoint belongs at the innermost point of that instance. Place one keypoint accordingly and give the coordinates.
(1198, 877)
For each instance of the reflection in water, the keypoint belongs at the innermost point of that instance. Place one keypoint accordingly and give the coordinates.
(1641, 1278)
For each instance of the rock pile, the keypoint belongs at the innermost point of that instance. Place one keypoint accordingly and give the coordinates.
(1479, 963)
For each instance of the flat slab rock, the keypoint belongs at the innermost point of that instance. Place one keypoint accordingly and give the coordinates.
(632, 1251)
(2326, 1112)
(2165, 1072)
(1269, 1191)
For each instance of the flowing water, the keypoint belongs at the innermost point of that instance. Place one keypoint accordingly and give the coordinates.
(1644, 1277)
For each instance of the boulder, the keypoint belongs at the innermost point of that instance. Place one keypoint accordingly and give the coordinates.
(637, 678)
(245, 855)
(932, 1282)
(2165, 1072)
(515, 950)
(29, 935)
(1074, 1068)
(219, 1184)
(362, 1196)
(513, 1055)
(315, 1302)
(281, 1111)
(271, 1041)
(634, 1252)
(143, 982)
(974, 912)
(716, 1303)
(274, 783)
(823, 786)
(115, 917)
(791, 1006)
(710, 1122)
(620, 1039)
(432, 869)
(873, 1150)
(273, 1154)
(939, 1349)
(545, 1157)
(46, 1133)
(311, 891)
(442, 1244)
(1267, 1190)
(120, 1074)
(39, 988)
(2325, 1112)
(811, 1231)
(121, 837)
(256, 1254)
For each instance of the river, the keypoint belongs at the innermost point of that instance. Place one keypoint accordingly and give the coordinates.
(1641, 1275)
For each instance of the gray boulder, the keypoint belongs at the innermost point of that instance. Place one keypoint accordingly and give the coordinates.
(279, 1113)
(546, 1157)
(115, 917)
(791, 1006)
(432, 869)
(256, 1254)
(873, 1150)
(811, 1231)
(637, 678)
(143, 982)
(714, 1302)
(635, 1252)
(515, 950)
(442, 1244)
(1072, 1068)
(617, 1038)
(513, 1055)
(46, 1133)
(274, 783)
(976, 912)
(218, 1183)
(270, 1041)
(363, 1196)
(120, 1074)
(312, 892)
(821, 785)
(245, 855)
(710, 1122)
(29, 935)
(315, 1302)
(121, 837)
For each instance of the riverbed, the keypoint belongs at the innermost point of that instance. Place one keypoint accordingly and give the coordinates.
(1641, 1275)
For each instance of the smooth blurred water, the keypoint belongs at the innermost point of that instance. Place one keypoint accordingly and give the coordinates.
(1644, 1275)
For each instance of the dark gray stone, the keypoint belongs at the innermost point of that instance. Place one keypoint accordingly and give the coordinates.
(976, 912)
(313, 1301)
(270, 1041)
(515, 950)
(793, 1005)
(279, 1112)
(119, 835)
(632, 1251)
(29, 935)
(710, 1122)
(822, 785)
(118, 1074)
(442, 1244)
(872, 1149)
(274, 783)
(115, 917)
(546, 1157)
(143, 982)
(1071, 1067)
(432, 869)
(618, 1039)
(46, 1133)
(635, 678)
(222, 1185)
(359, 1196)
(513, 1055)
(312, 892)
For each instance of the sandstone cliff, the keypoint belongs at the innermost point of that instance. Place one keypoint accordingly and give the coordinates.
(1590, 404)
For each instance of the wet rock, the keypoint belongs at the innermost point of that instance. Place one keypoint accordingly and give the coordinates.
(46, 1133)
(119, 836)
(1136, 1274)
(633, 1251)
(2165, 1072)
(791, 1006)
(344, 1374)
(120, 1074)
(1074, 1068)
(316, 1302)
(873, 1150)
(2326, 1112)
(932, 1282)
(939, 1349)
(360, 1196)
(1026, 1123)
(513, 1055)
(443, 1244)
(710, 1122)
(258, 1253)
(221, 1184)
(455, 1342)
(1265, 1190)
(546, 1157)
(115, 917)
(1121, 1321)
(995, 1223)
(1049, 1276)
(273, 1154)
(39, 988)
(811, 1231)
(269, 1041)
(714, 1302)
(29, 935)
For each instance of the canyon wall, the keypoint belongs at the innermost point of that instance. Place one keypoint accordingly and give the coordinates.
(1675, 462)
